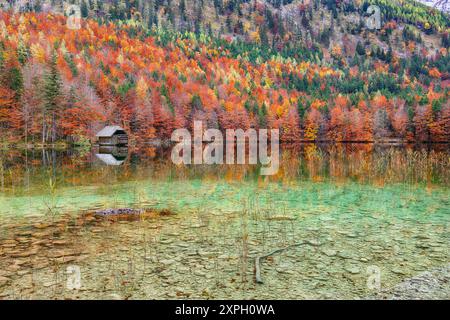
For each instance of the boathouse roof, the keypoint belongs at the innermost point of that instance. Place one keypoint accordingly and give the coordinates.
(109, 131)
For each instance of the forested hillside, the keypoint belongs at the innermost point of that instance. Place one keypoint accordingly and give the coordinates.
(310, 68)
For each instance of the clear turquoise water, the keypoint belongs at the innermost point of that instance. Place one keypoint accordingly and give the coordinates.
(224, 219)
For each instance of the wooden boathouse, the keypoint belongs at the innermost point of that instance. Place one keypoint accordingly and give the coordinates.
(112, 136)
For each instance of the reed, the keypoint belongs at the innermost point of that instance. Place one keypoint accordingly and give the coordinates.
(51, 198)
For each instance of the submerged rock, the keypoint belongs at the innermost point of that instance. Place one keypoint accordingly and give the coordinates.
(314, 242)
(345, 255)
(284, 269)
(329, 252)
(206, 254)
(432, 284)
(114, 212)
(3, 281)
(199, 273)
(353, 269)
(167, 262)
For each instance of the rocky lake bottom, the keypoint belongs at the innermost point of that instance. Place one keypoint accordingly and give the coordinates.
(316, 238)
(202, 254)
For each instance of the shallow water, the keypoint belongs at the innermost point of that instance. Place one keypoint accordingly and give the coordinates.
(341, 213)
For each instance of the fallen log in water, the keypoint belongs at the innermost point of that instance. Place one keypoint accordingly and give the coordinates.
(129, 214)
(259, 258)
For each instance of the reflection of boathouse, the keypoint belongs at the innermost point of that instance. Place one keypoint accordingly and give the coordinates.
(112, 155)
(112, 136)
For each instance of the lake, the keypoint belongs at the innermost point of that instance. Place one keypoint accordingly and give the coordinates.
(349, 220)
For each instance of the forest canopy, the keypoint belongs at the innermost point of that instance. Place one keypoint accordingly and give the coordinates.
(62, 84)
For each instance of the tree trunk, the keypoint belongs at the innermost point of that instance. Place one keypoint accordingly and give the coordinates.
(43, 129)
(53, 127)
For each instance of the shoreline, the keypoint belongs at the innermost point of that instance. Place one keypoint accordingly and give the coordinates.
(158, 144)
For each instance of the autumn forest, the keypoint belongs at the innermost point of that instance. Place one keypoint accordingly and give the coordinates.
(155, 67)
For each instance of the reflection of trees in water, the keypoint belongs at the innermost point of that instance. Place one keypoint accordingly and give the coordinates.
(371, 163)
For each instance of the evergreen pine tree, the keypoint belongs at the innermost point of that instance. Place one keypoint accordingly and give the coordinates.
(52, 94)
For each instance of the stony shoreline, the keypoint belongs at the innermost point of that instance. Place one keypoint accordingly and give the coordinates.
(429, 285)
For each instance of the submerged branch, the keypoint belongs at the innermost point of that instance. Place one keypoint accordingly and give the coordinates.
(259, 258)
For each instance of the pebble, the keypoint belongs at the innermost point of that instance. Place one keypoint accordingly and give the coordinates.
(23, 240)
(8, 241)
(3, 281)
(228, 256)
(329, 252)
(24, 254)
(25, 233)
(314, 242)
(41, 225)
(183, 269)
(36, 242)
(49, 284)
(364, 260)
(20, 262)
(284, 270)
(56, 253)
(353, 269)
(59, 242)
(9, 245)
(167, 262)
(344, 255)
(199, 273)
(13, 268)
(206, 254)
(173, 234)
(43, 234)
(66, 259)
(40, 265)
(398, 271)
(23, 272)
